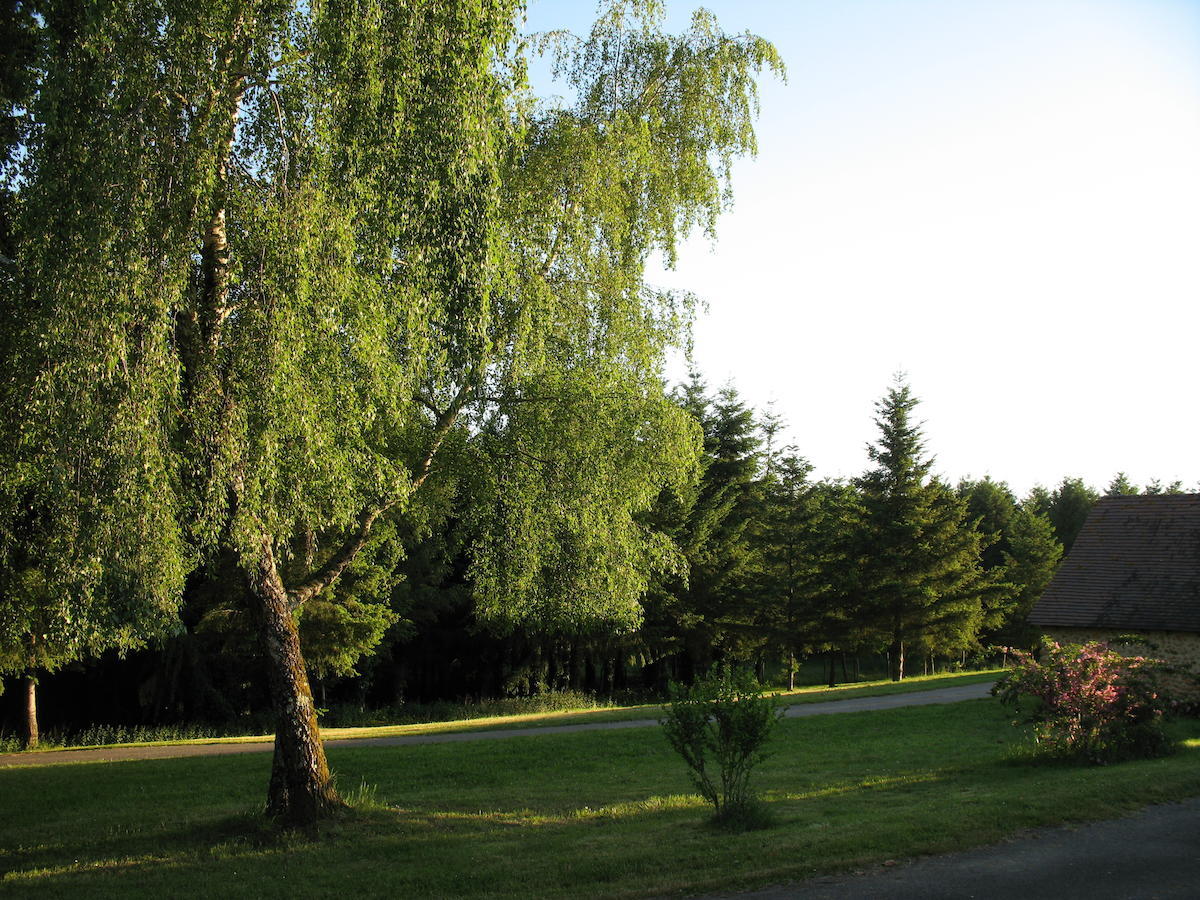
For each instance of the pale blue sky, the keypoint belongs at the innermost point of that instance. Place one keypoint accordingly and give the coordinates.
(1000, 198)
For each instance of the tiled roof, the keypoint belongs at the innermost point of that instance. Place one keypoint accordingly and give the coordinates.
(1135, 566)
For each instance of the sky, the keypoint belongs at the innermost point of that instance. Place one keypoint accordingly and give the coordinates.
(998, 198)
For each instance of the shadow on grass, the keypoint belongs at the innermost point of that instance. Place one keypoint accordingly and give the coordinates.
(834, 806)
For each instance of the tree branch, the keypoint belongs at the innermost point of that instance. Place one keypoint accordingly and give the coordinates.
(332, 570)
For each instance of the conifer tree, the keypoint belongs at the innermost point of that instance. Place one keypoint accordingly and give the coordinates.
(1067, 508)
(921, 576)
(1121, 486)
(784, 587)
(1031, 557)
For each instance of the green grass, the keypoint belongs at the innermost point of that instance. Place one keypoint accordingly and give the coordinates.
(570, 716)
(587, 814)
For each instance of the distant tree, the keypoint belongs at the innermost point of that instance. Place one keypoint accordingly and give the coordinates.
(36, 637)
(705, 610)
(991, 505)
(922, 577)
(1037, 500)
(841, 616)
(1155, 486)
(1120, 486)
(787, 585)
(1067, 508)
(1032, 556)
(721, 569)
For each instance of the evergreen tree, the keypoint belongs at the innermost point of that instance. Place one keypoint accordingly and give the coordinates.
(706, 610)
(1031, 557)
(1021, 553)
(921, 573)
(1121, 486)
(991, 506)
(1155, 486)
(1067, 507)
(785, 529)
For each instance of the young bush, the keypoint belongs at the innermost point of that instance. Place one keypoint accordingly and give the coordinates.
(1090, 703)
(720, 727)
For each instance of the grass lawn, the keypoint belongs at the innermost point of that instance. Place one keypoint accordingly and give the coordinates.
(587, 814)
(592, 714)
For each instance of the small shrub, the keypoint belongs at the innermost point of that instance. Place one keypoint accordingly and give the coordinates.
(1089, 702)
(720, 727)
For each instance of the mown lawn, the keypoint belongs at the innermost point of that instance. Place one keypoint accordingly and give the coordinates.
(582, 715)
(588, 814)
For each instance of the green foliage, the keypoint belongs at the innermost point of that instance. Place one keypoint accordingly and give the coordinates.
(1089, 702)
(920, 569)
(276, 260)
(558, 539)
(1067, 507)
(179, 400)
(35, 632)
(1121, 486)
(573, 404)
(722, 722)
(1032, 556)
(1020, 550)
(1155, 486)
(349, 620)
(992, 506)
(807, 605)
(709, 608)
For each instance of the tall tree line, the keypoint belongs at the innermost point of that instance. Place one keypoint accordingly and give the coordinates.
(772, 568)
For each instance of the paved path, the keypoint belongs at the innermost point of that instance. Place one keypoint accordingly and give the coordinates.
(1154, 853)
(118, 754)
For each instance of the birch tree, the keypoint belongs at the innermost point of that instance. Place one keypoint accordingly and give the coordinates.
(271, 257)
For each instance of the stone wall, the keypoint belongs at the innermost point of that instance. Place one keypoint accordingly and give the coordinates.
(1179, 649)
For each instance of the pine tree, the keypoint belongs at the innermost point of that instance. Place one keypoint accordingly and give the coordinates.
(1121, 486)
(1067, 508)
(706, 609)
(784, 586)
(1031, 557)
(921, 575)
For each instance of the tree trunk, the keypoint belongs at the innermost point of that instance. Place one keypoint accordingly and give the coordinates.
(896, 659)
(301, 788)
(31, 722)
(791, 671)
(832, 669)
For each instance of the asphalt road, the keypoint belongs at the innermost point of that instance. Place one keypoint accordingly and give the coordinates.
(1151, 855)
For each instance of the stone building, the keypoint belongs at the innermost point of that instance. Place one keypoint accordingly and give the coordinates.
(1134, 569)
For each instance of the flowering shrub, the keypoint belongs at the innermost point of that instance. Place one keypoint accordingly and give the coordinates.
(1089, 702)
